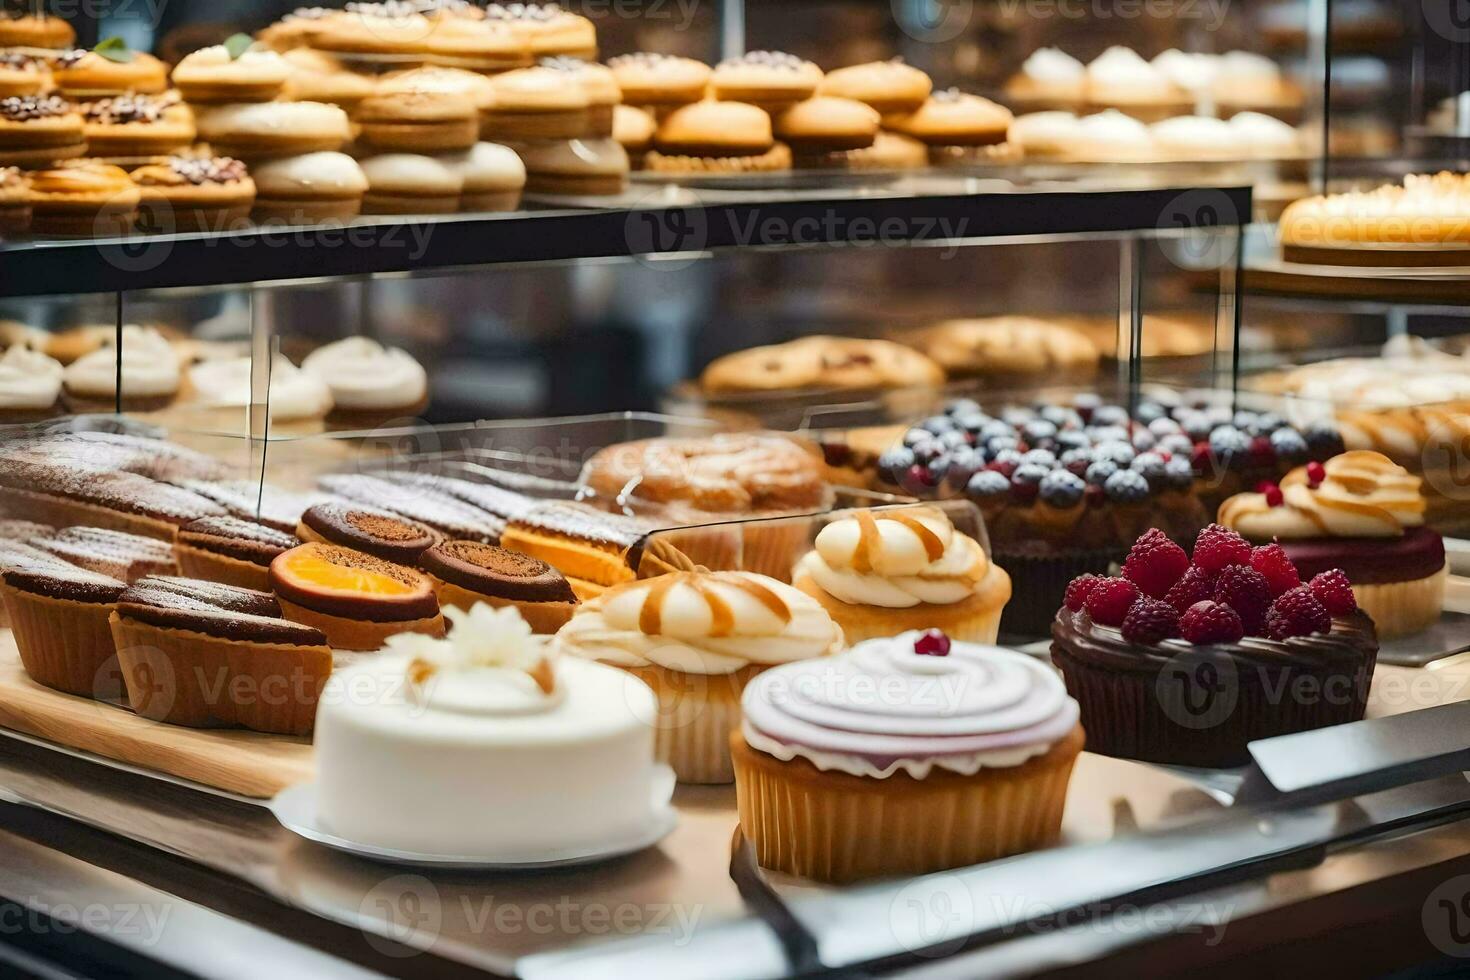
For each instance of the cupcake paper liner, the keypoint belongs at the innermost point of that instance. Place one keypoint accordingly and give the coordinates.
(1134, 714)
(1039, 585)
(836, 827)
(697, 713)
(65, 644)
(187, 678)
(1403, 608)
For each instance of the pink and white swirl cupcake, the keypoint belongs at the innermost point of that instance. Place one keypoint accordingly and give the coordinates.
(903, 756)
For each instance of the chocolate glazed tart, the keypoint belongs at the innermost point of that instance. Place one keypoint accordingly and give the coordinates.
(467, 572)
(1200, 705)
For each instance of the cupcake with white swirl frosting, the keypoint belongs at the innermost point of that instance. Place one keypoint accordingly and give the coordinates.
(149, 370)
(903, 756)
(877, 571)
(697, 638)
(30, 386)
(370, 384)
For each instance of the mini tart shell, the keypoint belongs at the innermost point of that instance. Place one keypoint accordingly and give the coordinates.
(836, 827)
(544, 617)
(972, 620)
(210, 566)
(190, 678)
(64, 644)
(343, 633)
(172, 132)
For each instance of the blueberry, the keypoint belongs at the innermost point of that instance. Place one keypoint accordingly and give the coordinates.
(1062, 489)
(962, 406)
(1144, 440)
(1289, 445)
(955, 439)
(1218, 414)
(1177, 444)
(1110, 415)
(916, 435)
(938, 424)
(1073, 439)
(1038, 430)
(927, 450)
(1060, 416)
(1268, 422)
(987, 483)
(938, 470)
(1126, 486)
(1099, 472)
(1150, 466)
(1226, 441)
(1118, 451)
(1016, 417)
(964, 464)
(895, 463)
(1008, 457)
(1000, 444)
(1178, 473)
(1196, 425)
(1244, 421)
(1163, 427)
(1029, 473)
(1149, 412)
(973, 423)
(995, 429)
(1040, 457)
(1074, 457)
(1323, 439)
(1108, 433)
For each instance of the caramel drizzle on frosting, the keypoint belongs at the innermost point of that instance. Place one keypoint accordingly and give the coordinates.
(1361, 473)
(722, 617)
(869, 538)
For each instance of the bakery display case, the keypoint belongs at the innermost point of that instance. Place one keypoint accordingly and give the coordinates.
(791, 491)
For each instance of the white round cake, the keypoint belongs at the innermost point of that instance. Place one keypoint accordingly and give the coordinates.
(480, 745)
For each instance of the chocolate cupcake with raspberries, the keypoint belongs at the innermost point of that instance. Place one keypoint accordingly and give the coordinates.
(1187, 659)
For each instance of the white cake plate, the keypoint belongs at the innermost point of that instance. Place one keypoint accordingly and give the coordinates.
(295, 808)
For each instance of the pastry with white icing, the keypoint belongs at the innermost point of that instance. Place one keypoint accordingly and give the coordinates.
(369, 383)
(149, 370)
(486, 745)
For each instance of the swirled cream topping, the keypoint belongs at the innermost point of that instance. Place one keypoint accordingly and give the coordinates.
(365, 375)
(896, 559)
(490, 663)
(883, 707)
(150, 367)
(701, 623)
(1053, 65)
(29, 380)
(294, 394)
(1123, 66)
(1363, 494)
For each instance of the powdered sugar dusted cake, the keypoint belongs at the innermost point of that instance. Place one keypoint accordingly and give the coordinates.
(484, 745)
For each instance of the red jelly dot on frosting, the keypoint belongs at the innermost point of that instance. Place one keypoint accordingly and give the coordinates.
(1272, 493)
(1316, 473)
(932, 643)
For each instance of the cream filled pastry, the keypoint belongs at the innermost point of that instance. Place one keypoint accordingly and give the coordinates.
(836, 756)
(697, 638)
(1049, 77)
(875, 571)
(298, 400)
(369, 380)
(1364, 514)
(417, 745)
(30, 385)
(149, 368)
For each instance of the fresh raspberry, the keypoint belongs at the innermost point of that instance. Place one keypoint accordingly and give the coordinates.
(1335, 592)
(1197, 585)
(1155, 563)
(1109, 601)
(1150, 621)
(1271, 561)
(1078, 588)
(1297, 613)
(1247, 592)
(1210, 622)
(1218, 546)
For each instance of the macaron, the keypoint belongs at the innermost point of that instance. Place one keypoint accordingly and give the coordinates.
(410, 183)
(888, 86)
(659, 80)
(220, 73)
(769, 79)
(824, 124)
(592, 167)
(253, 131)
(39, 130)
(309, 188)
(537, 104)
(376, 532)
(954, 118)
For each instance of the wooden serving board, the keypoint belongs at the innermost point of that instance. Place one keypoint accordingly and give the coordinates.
(246, 763)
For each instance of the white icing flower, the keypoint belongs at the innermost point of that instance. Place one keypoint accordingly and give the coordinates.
(489, 662)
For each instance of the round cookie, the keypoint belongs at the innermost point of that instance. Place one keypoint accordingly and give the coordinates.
(418, 121)
(39, 130)
(659, 80)
(769, 79)
(954, 118)
(887, 86)
(308, 188)
(261, 130)
(537, 104)
(826, 124)
(821, 362)
(82, 74)
(410, 183)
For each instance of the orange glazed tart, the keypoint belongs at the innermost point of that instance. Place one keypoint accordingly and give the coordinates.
(207, 655)
(357, 600)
